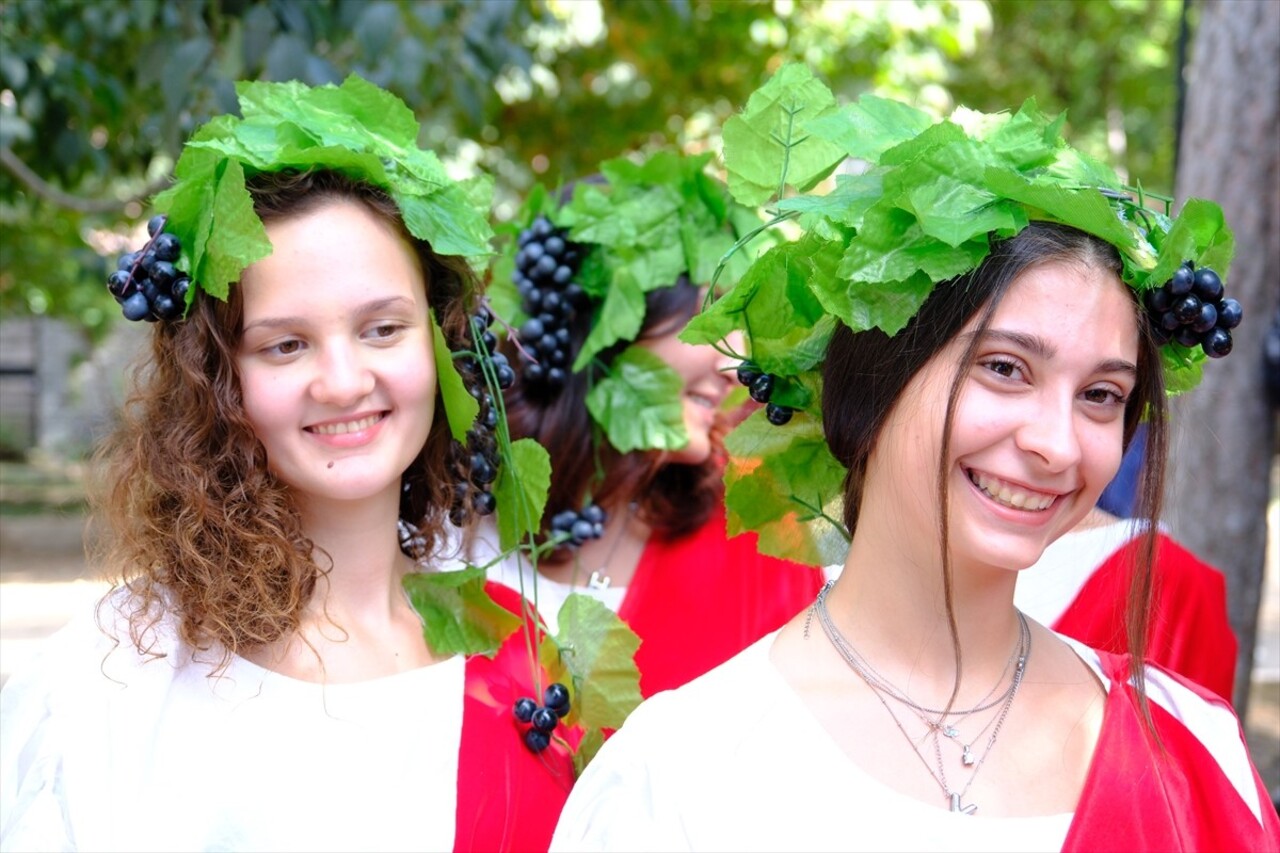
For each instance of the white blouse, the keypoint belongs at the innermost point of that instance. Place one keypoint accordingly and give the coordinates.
(103, 749)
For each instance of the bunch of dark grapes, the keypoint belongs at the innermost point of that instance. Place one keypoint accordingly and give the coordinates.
(546, 264)
(578, 527)
(1190, 309)
(475, 465)
(146, 284)
(544, 717)
(760, 387)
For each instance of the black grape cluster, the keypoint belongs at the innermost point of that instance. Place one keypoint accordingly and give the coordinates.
(544, 717)
(475, 465)
(146, 284)
(1190, 309)
(578, 527)
(546, 263)
(760, 387)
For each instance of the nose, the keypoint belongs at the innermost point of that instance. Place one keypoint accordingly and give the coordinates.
(1049, 431)
(342, 377)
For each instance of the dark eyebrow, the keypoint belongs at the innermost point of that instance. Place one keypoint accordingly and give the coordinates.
(373, 306)
(1040, 347)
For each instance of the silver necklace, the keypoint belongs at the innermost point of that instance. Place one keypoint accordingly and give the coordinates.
(882, 684)
(955, 799)
(599, 579)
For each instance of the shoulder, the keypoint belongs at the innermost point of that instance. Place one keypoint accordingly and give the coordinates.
(708, 715)
(1198, 729)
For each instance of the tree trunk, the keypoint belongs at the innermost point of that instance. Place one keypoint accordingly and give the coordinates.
(1224, 431)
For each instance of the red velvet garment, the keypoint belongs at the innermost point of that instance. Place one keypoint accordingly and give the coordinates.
(1136, 798)
(509, 798)
(1189, 635)
(698, 600)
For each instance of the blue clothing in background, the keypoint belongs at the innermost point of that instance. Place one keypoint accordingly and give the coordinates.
(1120, 497)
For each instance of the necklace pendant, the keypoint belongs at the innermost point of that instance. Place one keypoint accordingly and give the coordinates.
(967, 758)
(951, 732)
(599, 580)
(956, 807)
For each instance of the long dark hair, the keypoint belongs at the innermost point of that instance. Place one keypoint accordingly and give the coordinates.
(865, 373)
(674, 498)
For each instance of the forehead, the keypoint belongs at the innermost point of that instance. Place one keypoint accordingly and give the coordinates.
(1070, 302)
(339, 251)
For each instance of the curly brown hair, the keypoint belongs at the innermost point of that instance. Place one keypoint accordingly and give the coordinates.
(674, 498)
(193, 523)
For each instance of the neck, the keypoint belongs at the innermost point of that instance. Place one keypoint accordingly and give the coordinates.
(890, 603)
(614, 555)
(360, 537)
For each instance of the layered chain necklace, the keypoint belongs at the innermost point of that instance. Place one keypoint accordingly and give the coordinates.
(940, 723)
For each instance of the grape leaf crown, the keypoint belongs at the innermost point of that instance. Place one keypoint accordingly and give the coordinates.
(640, 228)
(917, 203)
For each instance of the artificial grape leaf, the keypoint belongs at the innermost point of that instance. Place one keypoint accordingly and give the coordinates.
(1090, 212)
(767, 146)
(639, 403)
(785, 323)
(618, 318)
(846, 204)
(594, 654)
(447, 220)
(784, 483)
(869, 127)
(885, 305)
(458, 616)
(459, 406)
(889, 268)
(590, 744)
(1198, 234)
(236, 237)
(653, 268)
(1183, 368)
(521, 491)
(1025, 141)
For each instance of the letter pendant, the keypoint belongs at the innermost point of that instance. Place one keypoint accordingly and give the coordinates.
(599, 580)
(956, 807)
(967, 758)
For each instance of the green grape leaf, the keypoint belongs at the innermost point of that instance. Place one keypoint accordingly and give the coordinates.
(1091, 212)
(768, 143)
(846, 204)
(593, 654)
(1183, 367)
(459, 406)
(458, 616)
(784, 483)
(521, 498)
(356, 128)
(590, 744)
(618, 318)
(1198, 234)
(639, 403)
(787, 326)
(869, 127)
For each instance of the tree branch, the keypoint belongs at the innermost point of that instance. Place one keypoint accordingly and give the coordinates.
(20, 170)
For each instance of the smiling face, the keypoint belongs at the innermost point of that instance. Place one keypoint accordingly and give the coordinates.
(707, 380)
(1038, 428)
(336, 364)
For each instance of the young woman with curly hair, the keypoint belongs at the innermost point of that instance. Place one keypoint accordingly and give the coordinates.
(258, 678)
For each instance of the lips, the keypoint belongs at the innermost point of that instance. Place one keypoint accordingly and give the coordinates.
(345, 427)
(1012, 495)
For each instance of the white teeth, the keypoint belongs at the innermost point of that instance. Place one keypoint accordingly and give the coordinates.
(344, 428)
(1010, 495)
(705, 402)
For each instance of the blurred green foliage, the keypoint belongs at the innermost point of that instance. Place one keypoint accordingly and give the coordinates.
(95, 98)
